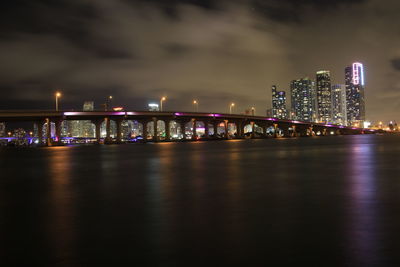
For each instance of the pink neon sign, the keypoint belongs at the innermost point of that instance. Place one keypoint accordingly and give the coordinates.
(358, 73)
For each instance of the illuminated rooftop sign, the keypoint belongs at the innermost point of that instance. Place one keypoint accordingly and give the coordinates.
(358, 73)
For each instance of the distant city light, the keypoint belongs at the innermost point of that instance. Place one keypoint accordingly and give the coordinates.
(118, 108)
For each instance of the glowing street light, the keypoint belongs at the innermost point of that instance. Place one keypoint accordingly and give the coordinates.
(196, 105)
(253, 111)
(58, 95)
(231, 107)
(161, 102)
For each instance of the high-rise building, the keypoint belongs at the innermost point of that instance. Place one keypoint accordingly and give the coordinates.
(339, 104)
(303, 99)
(2, 129)
(88, 106)
(82, 128)
(354, 79)
(279, 104)
(323, 84)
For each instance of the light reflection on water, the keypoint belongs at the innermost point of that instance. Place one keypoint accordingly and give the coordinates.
(286, 202)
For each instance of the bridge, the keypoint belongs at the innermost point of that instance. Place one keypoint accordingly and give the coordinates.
(246, 126)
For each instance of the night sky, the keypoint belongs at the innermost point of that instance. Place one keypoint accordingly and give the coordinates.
(217, 51)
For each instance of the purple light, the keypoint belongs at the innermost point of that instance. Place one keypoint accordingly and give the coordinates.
(178, 114)
(131, 113)
(217, 115)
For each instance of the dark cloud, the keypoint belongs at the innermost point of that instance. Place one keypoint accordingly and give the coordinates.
(395, 63)
(217, 51)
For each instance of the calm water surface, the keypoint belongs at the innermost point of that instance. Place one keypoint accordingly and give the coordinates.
(332, 201)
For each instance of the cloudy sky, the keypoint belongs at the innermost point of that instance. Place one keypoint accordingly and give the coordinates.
(216, 51)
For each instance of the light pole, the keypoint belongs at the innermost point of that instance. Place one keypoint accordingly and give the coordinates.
(253, 111)
(58, 95)
(196, 105)
(231, 107)
(161, 102)
(108, 107)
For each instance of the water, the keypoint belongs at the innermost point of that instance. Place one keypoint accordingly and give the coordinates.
(329, 201)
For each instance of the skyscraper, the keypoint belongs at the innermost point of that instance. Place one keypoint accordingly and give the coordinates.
(303, 99)
(323, 83)
(278, 104)
(82, 128)
(354, 79)
(339, 104)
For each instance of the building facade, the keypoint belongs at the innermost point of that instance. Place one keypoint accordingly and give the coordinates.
(323, 88)
(339, 104)
(355, 87)
(279, 104)
(302, 93)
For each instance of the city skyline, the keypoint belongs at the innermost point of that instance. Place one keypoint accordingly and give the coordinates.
(243, 49)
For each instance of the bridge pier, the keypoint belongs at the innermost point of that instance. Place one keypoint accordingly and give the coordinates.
(48, 132)
(97, 124)
(206, 129)
(119, 130)
(57, 140)
(194, 129)
(182, 124)
(144, 132)
(108, 140)
(167, 130)
(226, 129)
(40, 132)
(215, 125)
(155, 129)
(253, 129)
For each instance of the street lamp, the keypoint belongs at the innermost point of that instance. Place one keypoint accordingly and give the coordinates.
(196, 105)
(161, 102)
(109, 106)
(253, 111)
(230, 107)
(58, 95)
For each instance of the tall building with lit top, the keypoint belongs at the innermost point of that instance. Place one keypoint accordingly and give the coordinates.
(302, 93)
(278, 104)
(323, 88)
(354, 80)
(339, 104)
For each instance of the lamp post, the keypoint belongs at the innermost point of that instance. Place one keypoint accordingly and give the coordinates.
(161, 102)
(108, 106)
(196, 105)
(58, 95)
(231, 107)
(253, 111)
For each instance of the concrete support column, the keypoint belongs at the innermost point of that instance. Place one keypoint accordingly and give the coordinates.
(167, 130)
(40, 132)
(275, 130)
(108, 129)
(239, 128)
(98, 127)
(206, 129)
(119, 128)
(310, 129)
(155, 128)
(264, 128)
(253, 129)
(215, 125)
(294, 129)
(183, 129)
(194, 133)
(144, 123)
(226, 129)
(58, 131)
(48, 132)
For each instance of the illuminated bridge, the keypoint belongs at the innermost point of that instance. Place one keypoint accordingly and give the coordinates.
(191, 125)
